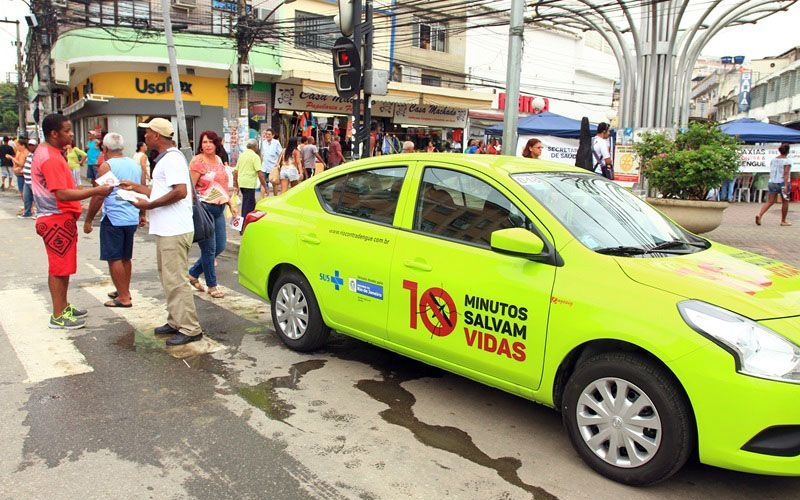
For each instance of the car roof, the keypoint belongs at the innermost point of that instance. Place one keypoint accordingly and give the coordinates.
(499, 164)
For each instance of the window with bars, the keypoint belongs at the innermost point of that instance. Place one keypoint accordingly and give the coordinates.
(429, 35)
(118, 13)
(433, 81)
(313, 31)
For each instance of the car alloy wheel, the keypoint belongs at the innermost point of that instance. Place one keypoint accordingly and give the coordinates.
(295, 313)
(619, 422)
(628, 417)
(291, 311)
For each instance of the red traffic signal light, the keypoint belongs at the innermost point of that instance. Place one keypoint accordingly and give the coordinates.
(346, 68)
(343, 58)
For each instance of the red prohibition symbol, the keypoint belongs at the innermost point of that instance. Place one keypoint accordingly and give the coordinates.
(438, 311)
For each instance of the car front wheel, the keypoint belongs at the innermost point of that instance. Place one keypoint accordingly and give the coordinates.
(627, 418)
(296, 314)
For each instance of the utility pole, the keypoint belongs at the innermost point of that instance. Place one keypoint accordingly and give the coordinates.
(244, 42)
(20, 85)
(183, 134)
(511, 113)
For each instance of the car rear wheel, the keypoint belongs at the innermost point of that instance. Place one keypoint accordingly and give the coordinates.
(627, 418)
(296, 314)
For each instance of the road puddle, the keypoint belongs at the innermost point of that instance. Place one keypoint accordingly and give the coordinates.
(450, 439)
(265, 397)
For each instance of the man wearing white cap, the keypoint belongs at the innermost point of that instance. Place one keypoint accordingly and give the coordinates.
(170, 214)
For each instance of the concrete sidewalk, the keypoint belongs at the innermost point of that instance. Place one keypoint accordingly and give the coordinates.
(738, 229)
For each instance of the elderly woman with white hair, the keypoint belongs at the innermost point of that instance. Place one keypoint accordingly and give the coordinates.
(248, 176)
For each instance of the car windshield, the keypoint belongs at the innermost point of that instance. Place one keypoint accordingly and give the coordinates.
(607, 218)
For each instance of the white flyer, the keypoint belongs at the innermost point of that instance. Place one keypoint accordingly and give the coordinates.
(131, 195)
(107, 179)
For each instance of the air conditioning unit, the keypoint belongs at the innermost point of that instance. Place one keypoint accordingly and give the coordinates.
(184, 4)
(61, 72)
(59, 3)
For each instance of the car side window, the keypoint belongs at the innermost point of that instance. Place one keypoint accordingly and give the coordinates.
(459, 206)
(366, 194)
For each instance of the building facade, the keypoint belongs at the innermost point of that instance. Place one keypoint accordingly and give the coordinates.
(104, 64)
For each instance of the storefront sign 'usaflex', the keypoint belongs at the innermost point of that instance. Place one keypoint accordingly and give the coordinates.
(146, 86)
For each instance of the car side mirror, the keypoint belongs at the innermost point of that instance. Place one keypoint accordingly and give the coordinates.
(517, 241)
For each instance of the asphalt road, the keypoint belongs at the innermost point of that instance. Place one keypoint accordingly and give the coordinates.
(108, 412)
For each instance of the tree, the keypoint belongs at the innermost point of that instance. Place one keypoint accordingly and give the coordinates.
(700, 158)
(8, 107)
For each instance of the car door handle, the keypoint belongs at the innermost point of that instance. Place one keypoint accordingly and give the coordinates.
(308, 238)
(415, 264)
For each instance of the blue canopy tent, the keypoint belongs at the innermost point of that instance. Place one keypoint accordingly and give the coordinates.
(546, 123)
(753, 131)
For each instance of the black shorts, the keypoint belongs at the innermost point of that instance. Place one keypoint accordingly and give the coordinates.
(116, 242)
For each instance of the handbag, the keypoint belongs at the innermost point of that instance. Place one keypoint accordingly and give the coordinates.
(203, 221)
(275, 175)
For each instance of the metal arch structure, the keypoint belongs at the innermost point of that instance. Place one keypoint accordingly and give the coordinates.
(656, 44)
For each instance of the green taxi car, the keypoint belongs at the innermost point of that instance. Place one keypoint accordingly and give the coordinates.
(553, 284)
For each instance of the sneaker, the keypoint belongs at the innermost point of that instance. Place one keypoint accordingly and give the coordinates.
(76, 313)
(24, 216)
(66, 321)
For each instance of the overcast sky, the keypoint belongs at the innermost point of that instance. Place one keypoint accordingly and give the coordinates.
(769, 37)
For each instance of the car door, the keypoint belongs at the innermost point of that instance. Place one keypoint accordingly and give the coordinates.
(346, 246)
(461, 302)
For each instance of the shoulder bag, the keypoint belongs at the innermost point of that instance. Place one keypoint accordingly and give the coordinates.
(203, 221)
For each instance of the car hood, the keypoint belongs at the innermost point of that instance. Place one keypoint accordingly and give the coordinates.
(752, 285)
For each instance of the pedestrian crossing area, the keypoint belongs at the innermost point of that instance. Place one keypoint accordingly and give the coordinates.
(47, 353)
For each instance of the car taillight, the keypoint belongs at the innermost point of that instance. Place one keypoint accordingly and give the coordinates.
(252, 217)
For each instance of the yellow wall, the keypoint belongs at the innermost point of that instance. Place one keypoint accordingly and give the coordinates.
(209, 91)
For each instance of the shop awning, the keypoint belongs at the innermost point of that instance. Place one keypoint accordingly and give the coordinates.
(399, 93)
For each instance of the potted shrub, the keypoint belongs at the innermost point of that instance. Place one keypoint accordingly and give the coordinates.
(684, 169)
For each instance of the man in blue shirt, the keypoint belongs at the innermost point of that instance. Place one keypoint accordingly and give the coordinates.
(270, 152)
(120, 220)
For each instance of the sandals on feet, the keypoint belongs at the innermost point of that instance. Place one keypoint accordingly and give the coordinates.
(786, 223)
(196, 284)
(216, 293)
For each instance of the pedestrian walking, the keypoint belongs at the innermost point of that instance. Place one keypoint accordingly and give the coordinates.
(169, 206)
(140, 157)
(248, 176)
(603, 164)
(93, 155)
(119, 222)
(270, 153)
(210, 180)
(291, 165)
(58, 203)
(27, 191)
(7, 155)
(335, 156)
(76, 157)
(310, 156)
(779, 184)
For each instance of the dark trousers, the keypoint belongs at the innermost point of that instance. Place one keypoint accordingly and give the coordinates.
(248, 200)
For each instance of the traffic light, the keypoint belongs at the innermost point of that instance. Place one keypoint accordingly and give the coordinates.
(346, 19)
(346, 68)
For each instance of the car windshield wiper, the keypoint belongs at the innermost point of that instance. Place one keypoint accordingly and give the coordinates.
(622, 250)
(665, 245)
(629, 250)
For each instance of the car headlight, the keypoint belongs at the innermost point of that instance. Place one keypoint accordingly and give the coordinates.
(759, 351)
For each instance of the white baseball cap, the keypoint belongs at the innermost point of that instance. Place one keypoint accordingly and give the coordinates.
(160, 126)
